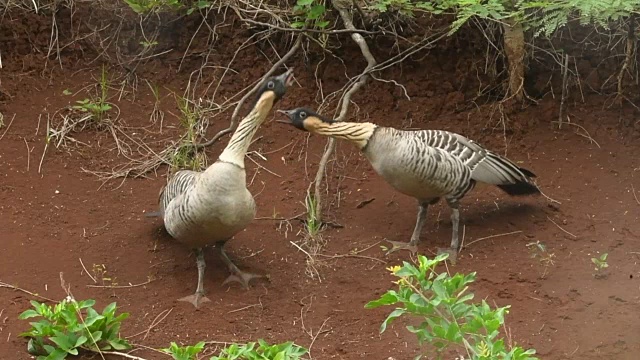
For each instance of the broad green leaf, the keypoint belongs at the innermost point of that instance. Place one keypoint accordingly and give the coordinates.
(81, 341)
(63, 341)
(122, 344)
(394, 314)
(110, 309)
(390, 297)
(28, 314)
(57, 354)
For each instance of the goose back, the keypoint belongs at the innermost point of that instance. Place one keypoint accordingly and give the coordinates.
(424, 164)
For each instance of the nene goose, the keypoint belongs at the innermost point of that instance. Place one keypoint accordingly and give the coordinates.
(424, 164)
(210, 207)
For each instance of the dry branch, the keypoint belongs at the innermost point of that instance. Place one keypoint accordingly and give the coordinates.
(234, 116)
(341, 7)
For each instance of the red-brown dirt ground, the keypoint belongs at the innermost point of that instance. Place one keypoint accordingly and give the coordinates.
(55, 221)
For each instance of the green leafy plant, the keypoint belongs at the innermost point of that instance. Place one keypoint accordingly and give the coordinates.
(309, 12)
(448, 317)
(464, 9)
(261, 351)
(313, 223)
(600, 264)
(403, 7)
(97, 106)
(186, 155)
(67, 327)
(198, 5)
(503, 12)
(184, 352)
(547, 16)
(156, 113)
(147, 6)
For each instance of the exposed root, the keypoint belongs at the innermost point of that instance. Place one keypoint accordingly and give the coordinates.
(629, 60)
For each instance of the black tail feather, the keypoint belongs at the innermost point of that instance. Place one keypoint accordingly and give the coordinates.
(520, 188)
(527, 172)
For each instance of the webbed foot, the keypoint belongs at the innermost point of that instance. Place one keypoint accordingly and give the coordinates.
(399, 245)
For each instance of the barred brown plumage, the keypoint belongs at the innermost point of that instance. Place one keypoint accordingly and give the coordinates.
(205, 208)
(424, 164)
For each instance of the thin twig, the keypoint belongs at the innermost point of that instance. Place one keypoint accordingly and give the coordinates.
(156, 321)
(28, 153)
(124, 355)
(87, 272)
(491, 237)
(547, 197)
(355, 254)
(121, 286)
(9, 286)
(263, 168)
(587, 136)
(560, 227)
(634, 194)
(8, 127)
(313, 339)
(243, 308)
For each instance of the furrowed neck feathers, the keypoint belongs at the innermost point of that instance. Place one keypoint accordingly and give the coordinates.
(241, 139)
(357, 133)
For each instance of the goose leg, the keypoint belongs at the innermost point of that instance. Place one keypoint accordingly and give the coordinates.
(198, 298)
(455, 223)
(412, 245)
(237, 275)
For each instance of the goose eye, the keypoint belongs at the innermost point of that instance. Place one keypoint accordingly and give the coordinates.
(303, 115)
(271, 85)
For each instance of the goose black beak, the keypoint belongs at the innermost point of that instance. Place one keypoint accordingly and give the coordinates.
(289, 114)
(287, 77)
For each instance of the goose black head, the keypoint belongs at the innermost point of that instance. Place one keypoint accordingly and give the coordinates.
(275, 86)
(305, 119)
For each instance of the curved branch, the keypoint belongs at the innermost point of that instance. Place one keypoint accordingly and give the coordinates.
(234, 116)
(341, 7)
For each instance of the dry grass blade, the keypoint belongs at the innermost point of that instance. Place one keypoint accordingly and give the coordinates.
(490, 237)
(13, 287)
(560, 227)
(586, 133)
(122, 286)
(8, 127)
(28, 153)
(633, 191)
(311, 270)
(156, 321)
